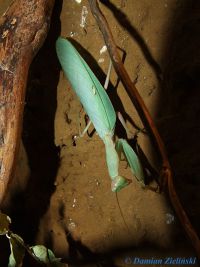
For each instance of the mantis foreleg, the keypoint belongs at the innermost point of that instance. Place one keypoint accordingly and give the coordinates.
(112, 159)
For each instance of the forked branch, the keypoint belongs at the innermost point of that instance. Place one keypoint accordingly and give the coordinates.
(166, 171)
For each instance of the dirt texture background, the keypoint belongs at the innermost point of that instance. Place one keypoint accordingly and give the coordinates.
(62, 196)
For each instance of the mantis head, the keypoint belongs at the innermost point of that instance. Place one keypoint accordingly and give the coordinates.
(118, 183)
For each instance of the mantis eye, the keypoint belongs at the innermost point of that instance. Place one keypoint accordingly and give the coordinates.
(118, 183)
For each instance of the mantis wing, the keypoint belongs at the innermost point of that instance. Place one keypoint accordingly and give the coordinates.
(132, 159)
(87, 87)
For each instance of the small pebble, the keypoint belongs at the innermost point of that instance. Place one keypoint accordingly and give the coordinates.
(169, 218)
(97, 182)
(103, 49)
(90, 195)
(74, 201)
(84, 14)
(101, 60)
(71, 226)
(72, 34)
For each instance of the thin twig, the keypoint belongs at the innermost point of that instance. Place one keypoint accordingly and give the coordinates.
(166, 171)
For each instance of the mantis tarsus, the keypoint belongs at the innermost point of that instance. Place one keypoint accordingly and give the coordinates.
(100, 110)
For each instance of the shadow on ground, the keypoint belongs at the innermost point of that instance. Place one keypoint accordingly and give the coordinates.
(38, 136)
(179, 106)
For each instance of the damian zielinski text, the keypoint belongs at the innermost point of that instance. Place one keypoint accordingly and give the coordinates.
(164, 261)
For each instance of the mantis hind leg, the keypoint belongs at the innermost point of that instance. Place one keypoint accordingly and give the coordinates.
(129, 133)
(86, 129)
(81, 132)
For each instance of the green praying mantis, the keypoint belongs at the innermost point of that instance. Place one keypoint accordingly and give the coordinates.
(101, 112)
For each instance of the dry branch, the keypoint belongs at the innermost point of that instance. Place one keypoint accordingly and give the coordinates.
(166, 171)
(23, 29)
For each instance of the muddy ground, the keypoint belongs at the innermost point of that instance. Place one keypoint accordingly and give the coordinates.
(62, 196)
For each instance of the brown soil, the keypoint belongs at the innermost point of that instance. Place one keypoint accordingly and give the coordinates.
(66, 203)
